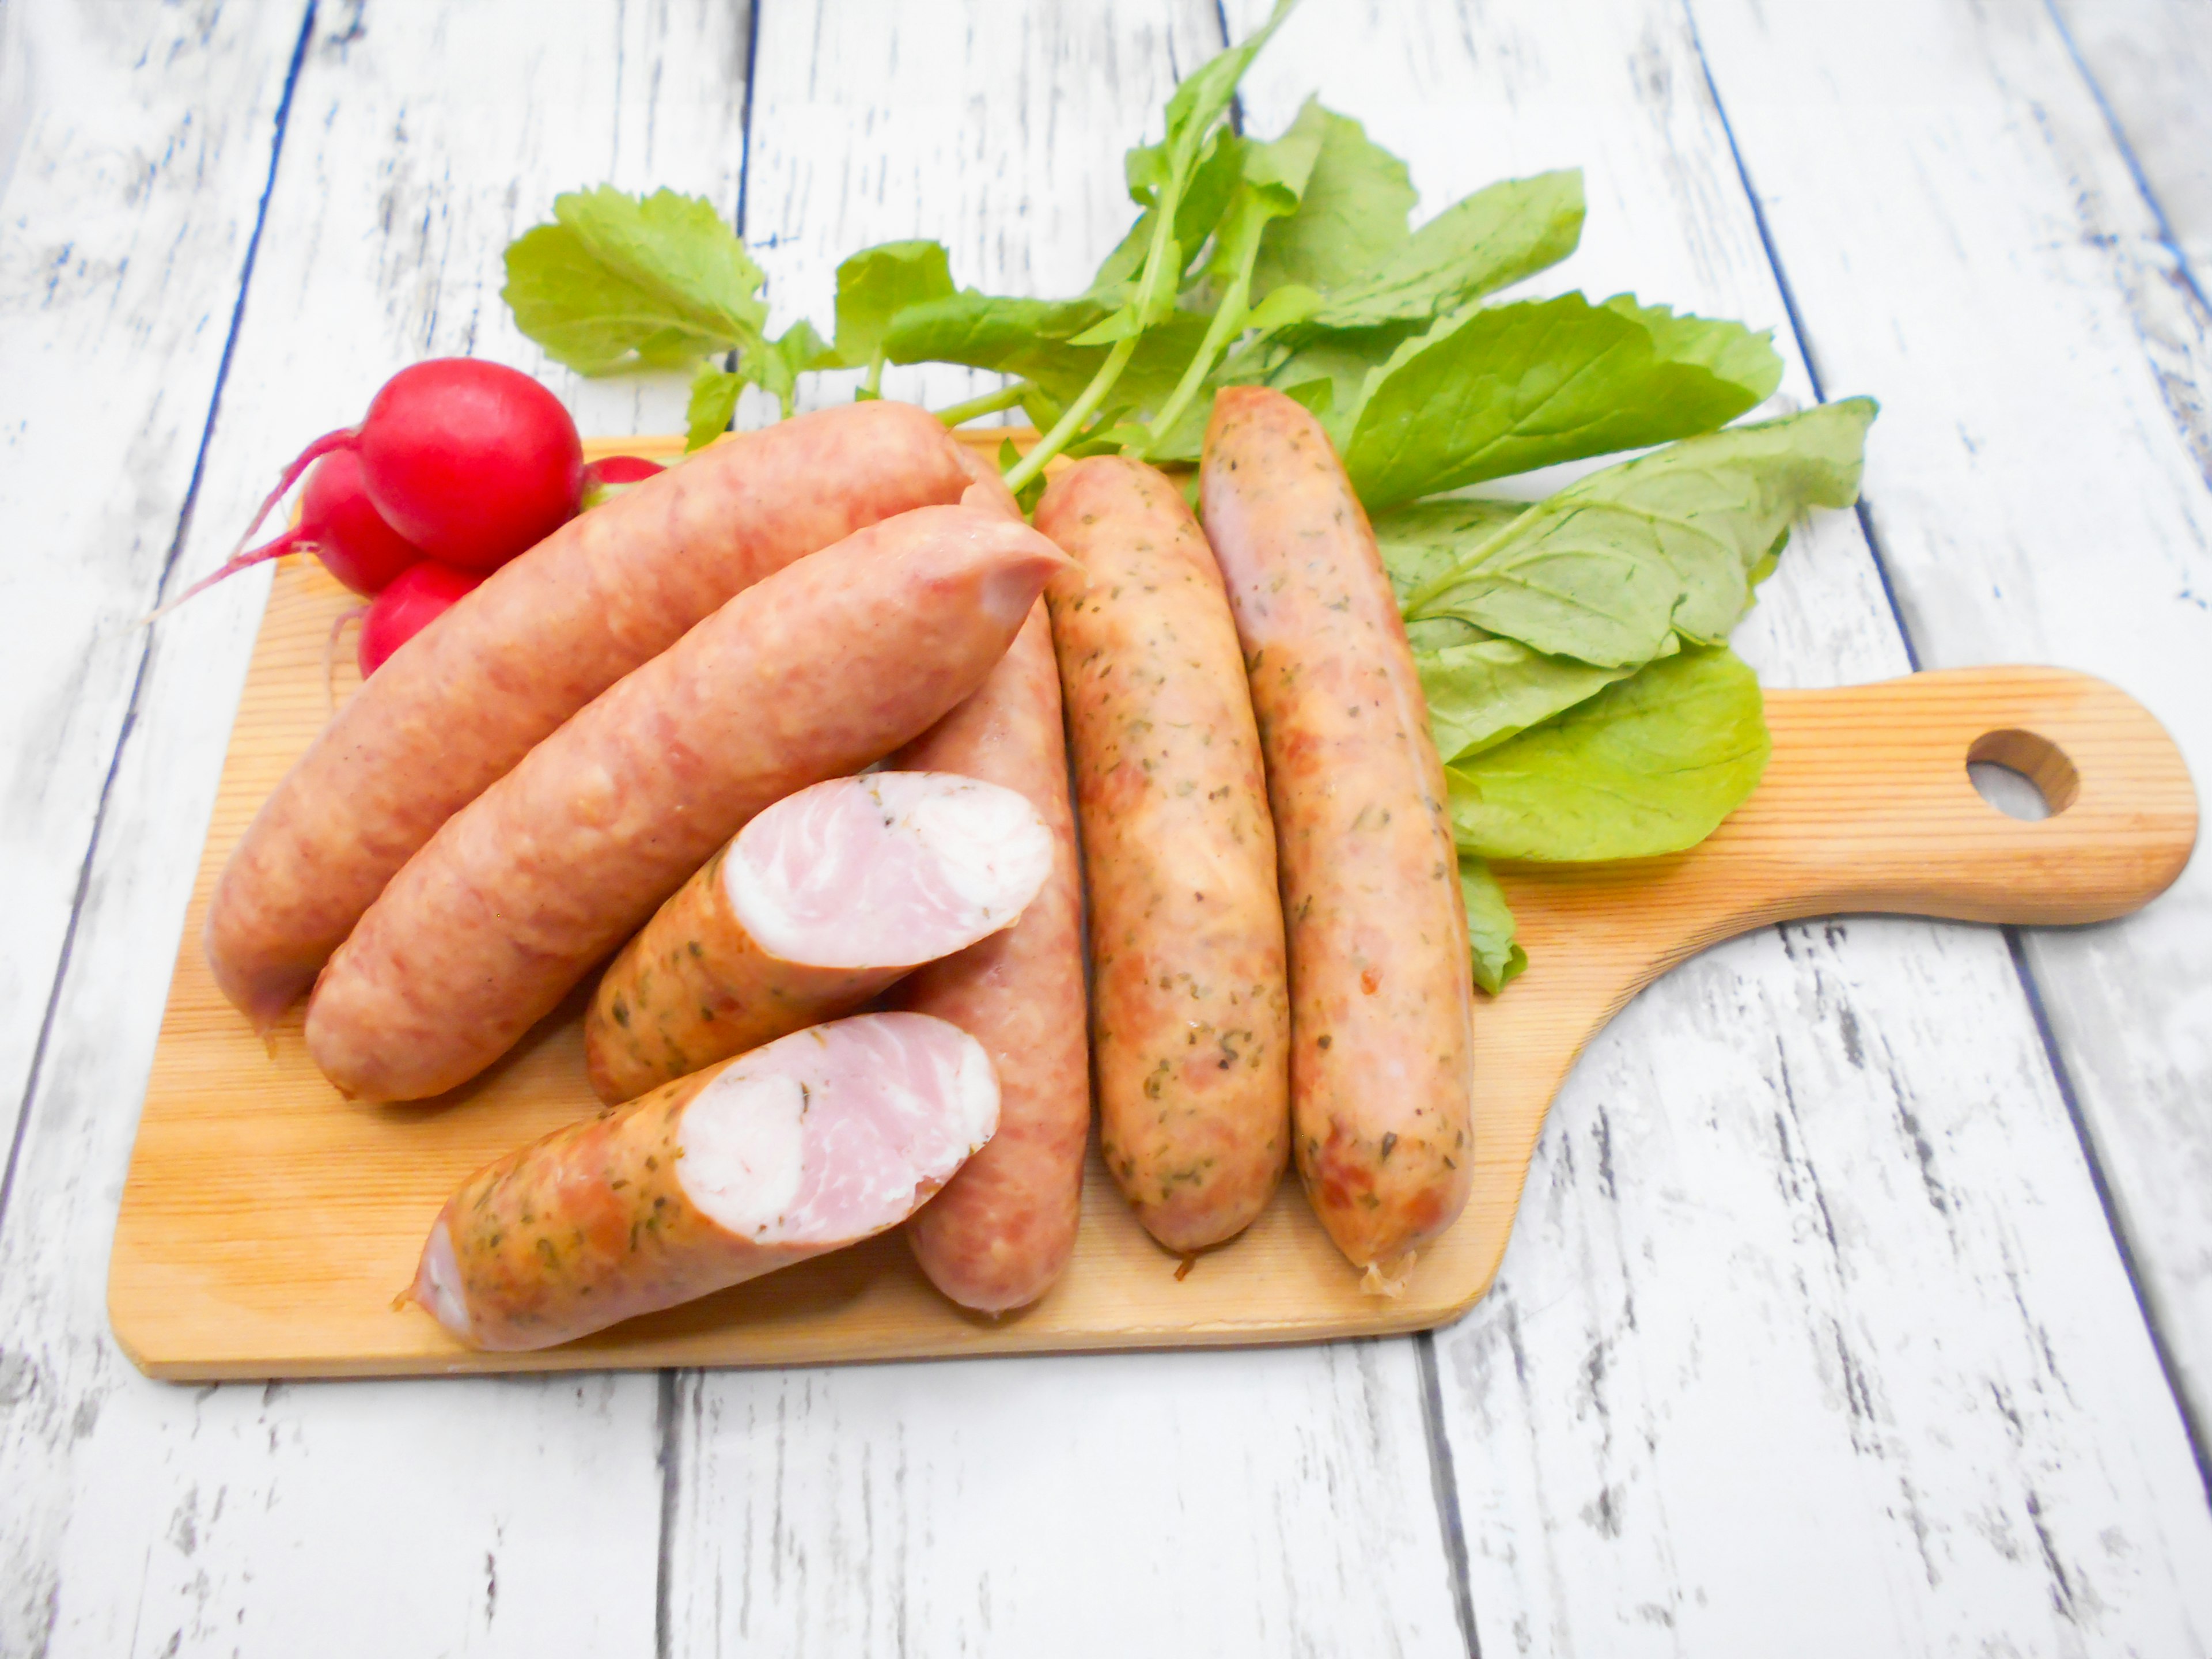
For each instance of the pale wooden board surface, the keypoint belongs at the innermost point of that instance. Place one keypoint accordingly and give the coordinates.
(2042, 484)
(1680, 1512)
(1812, 1324)
(266, 1222)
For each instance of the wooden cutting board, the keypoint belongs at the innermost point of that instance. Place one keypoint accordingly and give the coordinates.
(267, 1223)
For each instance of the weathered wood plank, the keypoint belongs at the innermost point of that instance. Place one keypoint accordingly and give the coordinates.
(2039, 481)
(500, 1515)
(134, 148)
(2151, 62)
(1813, 1329)
(1252, 1501)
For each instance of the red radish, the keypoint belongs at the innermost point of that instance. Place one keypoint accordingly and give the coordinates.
(417, 598)
(603, 480)
(337, 523)
(471, 461)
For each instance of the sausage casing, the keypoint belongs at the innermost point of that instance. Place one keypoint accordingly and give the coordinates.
(1190, 1019)
(1381, 988)
(459, 705)
(813, 673)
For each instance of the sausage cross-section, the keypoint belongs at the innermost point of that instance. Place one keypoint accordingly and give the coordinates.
(1382, 988)
(817, 1141)
(1190, 1019)
(461, 703)
(820, 902)
(813, 673)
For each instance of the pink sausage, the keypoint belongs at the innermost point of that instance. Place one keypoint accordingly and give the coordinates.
(1189, 1011)
(1001, 1233)
(465, 701)
(817, 1141)
(1381, 991)
(810, 674)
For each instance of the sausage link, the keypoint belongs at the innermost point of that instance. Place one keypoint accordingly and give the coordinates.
(1190, 1019)
(813, 673)
(810, 1144)
(820, 902)
(1382, 990)
(1000, 1234)
(463, 702)
(693, 987)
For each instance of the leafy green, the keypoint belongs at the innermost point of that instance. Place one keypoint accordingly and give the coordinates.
(1353, 211)
(1648, 766)
(1422, 540)
(620, 281)
(1493, 238)
(1489, 926)
(1485, 691)
(874, 286)
(1608, 569)
(1510, 388)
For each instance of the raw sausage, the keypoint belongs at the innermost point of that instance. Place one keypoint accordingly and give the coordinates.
(1382, 990)
(820, 902)
(813, 673)
(1190, 1019)
(812, 1143)
(1001, 1232)
(466, 700)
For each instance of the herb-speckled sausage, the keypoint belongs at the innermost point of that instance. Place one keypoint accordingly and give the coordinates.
(819, 669)
(460, 704)
(815, 1142)
(1381, 991)
(1190, 1017)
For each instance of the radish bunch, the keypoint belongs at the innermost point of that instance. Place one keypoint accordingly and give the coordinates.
(458, 467)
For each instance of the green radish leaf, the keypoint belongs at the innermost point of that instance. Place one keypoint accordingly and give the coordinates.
(1482, 692)
(621, 282)
(1510, 388)
(878, 282)
(1489, 926)
(1493, 238)
(1609, 569)
(1422, 540)
(713, 405)
(1648, 766)
(777, 367)
(1351, 214)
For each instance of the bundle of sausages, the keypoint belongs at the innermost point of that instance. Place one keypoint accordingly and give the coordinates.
(653, 727)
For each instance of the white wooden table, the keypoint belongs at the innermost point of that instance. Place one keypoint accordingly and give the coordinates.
(1861, 1299)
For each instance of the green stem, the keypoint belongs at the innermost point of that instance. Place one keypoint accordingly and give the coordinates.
(873, 385)
(989, 404)
(1217, 335)
(1078, 412)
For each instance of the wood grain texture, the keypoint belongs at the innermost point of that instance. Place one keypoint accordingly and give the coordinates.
(134, 148)
(267, 1223)
(1893, 1398)
(367, 1519)
(2149, 62)
(2039, 481)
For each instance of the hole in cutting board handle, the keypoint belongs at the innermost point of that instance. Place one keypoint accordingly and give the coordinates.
(2022, 774)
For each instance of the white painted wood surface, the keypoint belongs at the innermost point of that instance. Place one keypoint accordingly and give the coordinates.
(1813, 1337)
(2150, 60)
(1813, 1325)
(2039, 488)
(372, 1518)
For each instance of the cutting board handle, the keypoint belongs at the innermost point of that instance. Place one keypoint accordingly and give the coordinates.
(1869, 805)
